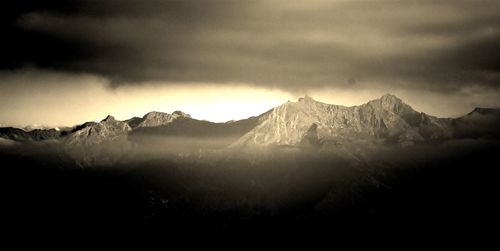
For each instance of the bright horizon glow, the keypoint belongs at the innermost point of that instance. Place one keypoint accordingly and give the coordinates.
(202, 101)
(89, 98)
(54, 99)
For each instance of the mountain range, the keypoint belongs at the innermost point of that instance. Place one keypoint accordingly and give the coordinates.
(306, 122)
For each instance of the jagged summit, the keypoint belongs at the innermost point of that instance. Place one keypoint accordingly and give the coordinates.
(108, 118)
(154, 114)
(392, 97)
(153, 119)
(92, 132)
(386, 100)
(87, 143)
(392, 103)
(163, 114)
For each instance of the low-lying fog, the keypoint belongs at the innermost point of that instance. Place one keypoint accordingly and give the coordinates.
(185, 181)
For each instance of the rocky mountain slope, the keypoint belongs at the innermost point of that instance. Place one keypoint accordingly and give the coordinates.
(154, 119)
(102, 142)
(313, 122)
(96, 133)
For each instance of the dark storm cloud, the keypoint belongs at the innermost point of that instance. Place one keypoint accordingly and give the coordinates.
(435, 45)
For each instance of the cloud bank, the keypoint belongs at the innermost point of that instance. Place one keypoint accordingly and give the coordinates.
(440, 46)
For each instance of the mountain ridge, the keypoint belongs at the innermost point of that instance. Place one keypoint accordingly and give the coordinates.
(387, 118)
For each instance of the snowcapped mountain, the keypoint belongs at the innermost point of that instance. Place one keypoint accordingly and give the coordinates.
(310, 121)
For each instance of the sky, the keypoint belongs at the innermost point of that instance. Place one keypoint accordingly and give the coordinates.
(66, 62)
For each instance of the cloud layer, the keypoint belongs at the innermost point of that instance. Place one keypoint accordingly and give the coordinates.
(440, 46)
